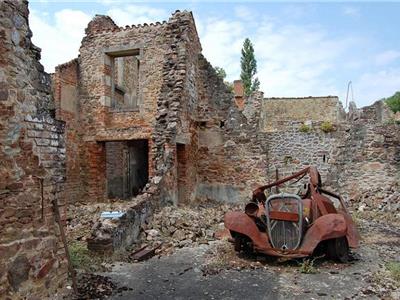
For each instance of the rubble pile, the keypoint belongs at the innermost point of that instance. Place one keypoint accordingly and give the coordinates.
(177, 227)
(382, 200)
(81, 218)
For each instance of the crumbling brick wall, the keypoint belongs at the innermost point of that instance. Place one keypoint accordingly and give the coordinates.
(32, 165)
(65, 88)
(203, 141)
(168, 55)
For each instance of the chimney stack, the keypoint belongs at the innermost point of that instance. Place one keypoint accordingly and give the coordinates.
(239, 93)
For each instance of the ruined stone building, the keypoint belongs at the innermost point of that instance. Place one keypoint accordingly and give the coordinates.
(32, 165)
(141, 114)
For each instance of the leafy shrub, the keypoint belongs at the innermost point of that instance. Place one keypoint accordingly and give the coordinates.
(304, 128)
(327, 126)
(394, 102)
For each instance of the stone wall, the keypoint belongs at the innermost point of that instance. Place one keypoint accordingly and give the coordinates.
(359, 152)
(291, 150)
(32, 165)
(204, 142)
(168, 55)
(367, 156)
(277, 113)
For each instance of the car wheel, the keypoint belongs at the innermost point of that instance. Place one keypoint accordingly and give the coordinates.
(338, 249)
(243, 244)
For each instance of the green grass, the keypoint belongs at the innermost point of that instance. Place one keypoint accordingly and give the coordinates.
(394, 269)
(82, 258)
(305, 128)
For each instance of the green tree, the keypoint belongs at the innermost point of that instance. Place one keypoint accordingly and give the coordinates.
(248, 64)
(220, 72)
(394, 102)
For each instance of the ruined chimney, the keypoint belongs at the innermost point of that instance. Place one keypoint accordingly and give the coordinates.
(239, 93)
(100, 23)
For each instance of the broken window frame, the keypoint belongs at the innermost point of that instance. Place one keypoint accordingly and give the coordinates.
(112, 55)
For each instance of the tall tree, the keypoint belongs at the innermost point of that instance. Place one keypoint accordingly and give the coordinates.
(248, 64)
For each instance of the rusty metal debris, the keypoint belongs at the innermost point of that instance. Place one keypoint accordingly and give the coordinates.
(144, 253)
(294, 225)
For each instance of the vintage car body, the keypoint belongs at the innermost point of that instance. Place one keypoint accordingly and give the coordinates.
(287, 225)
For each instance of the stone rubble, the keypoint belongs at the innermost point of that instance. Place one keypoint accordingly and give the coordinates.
(177, 227)
(385, 200)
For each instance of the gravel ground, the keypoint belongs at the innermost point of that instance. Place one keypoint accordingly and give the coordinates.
(192, 264)
(214, 271)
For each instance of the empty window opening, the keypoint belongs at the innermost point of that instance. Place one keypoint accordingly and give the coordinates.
(127, 168)
(125, 81)
(222, 124)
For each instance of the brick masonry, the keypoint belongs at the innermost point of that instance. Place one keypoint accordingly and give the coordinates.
(227, 145)
(204, 141)
(32, 165)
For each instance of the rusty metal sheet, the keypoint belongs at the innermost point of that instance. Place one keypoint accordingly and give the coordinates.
(144, 253)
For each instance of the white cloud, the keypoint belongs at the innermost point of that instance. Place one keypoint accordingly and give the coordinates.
(60, 35)
(387, 57)
(372, 86)
(243, 12)
(351, 11)
(136, 14)
(222, 41)
(59, 41)
(297, 60)
(293, 61)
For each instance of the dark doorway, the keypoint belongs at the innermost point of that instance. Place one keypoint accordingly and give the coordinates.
(138, 166)
(181, 156)
(127, 168)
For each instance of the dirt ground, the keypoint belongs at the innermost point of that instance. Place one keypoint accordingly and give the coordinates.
(192, 264)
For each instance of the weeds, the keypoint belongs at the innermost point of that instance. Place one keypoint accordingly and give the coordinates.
(327, 126)
(82, 258)
(308, 267)
(394, 269)
(304, 128)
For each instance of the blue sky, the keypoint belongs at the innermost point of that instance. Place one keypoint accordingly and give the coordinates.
(302, 49)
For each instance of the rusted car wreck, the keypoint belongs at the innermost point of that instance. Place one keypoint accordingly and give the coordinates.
(294, 225)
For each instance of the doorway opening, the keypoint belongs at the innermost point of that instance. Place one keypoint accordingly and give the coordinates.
(181, 155)
(127, 168)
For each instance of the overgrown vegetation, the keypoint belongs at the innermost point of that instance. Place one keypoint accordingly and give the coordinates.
(394, 269)
(307, 266)
(221, 73)
(248, 64)
(82, 258)
(392, 122)
(327, 126)
(394, 102)
(305, 128)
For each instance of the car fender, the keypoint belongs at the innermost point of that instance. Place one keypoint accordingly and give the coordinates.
(326, 227)
(241, 223)
(353, 236)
